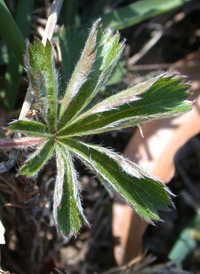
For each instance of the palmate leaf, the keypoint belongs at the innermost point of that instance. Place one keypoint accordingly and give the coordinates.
(43, 79)
(156, 98)
(108, 51)
(159, 97)
(68, 212)
(143, 192)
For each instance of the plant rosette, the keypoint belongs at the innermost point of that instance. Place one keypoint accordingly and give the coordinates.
(159, 97)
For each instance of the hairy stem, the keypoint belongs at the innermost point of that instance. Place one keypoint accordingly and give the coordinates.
(21, 143)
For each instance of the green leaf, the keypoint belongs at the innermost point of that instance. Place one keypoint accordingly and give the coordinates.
(158, 98)
(41, 96)
(4, 56)
(38, 159)
(30, 128)
(72, 40)
(12, 77)
(68, 212)
(11, 33)
(95, 9)
(80, 73)
(138, 12)
(186, 242)
(109, 51)
(43, 76)
(118, 73)
(69, 15)
(145, 194)
(184, 246)
(14, 69)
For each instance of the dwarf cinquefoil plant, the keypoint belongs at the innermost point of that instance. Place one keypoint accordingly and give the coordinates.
(61, 124)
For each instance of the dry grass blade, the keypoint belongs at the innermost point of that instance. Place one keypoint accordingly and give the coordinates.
(52, 20)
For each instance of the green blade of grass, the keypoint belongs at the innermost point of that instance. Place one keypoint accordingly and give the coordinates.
(3, 53)
(15, 69)
(69, 15)
(11, 33)
(135, 13)
(95, 9)
(12, 78)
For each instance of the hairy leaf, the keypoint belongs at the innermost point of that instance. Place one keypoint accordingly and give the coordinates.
(158, 98)
(38, 159)
(43, 79)
(21, 142)
(68, 212)
(30, 128)
(109, 51)
(81, 71)
(145, 194)
(72, 40)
